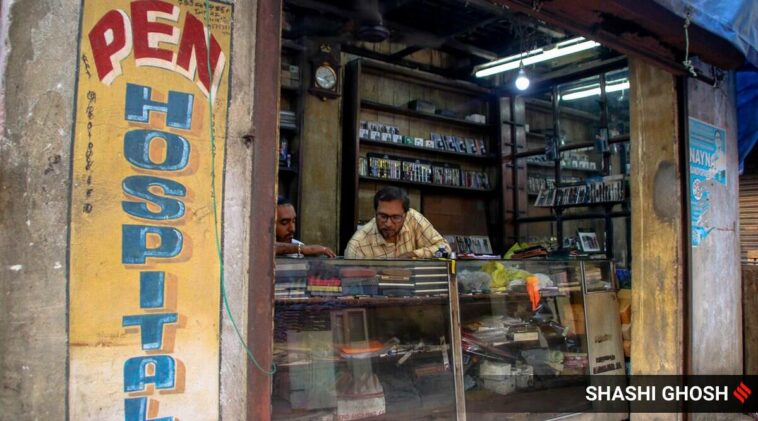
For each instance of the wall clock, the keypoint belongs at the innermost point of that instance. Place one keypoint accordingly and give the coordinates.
(325, 75)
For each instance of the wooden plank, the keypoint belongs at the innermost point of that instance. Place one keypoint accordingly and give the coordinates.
(714, 288)
(321, 145)
(428, 79)
(455, 333)
(748, 215)
(260, 324)
(750, 315)
(657, 225)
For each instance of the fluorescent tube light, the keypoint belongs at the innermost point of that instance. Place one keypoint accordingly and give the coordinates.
(538, 55)
(594, 89)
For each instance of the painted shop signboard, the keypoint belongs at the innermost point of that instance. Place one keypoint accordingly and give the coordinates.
(707, 144)
(144, 280)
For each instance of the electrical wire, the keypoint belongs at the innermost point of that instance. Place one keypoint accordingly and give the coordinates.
(687, 62)
(219, 251)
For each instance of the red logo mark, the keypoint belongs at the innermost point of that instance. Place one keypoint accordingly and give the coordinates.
(742, 392)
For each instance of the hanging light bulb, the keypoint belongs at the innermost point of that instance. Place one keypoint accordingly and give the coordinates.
(522, 81)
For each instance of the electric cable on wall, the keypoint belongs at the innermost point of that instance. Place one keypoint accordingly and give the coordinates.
(687, 62)
(214, 201)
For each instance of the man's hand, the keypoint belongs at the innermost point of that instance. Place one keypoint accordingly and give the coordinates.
(317, 250)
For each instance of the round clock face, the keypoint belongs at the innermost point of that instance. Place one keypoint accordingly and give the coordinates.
(326, 78)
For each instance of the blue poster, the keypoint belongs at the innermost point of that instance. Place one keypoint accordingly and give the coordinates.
(707, 145)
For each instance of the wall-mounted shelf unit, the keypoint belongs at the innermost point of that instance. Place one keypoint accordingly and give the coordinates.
(564, 137)
(290, 120)
(436, 137)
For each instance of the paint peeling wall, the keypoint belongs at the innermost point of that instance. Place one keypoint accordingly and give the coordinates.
(4, 10)
(34, 189)
(37, 98)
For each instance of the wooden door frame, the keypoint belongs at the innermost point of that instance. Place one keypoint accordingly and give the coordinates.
(260, 309)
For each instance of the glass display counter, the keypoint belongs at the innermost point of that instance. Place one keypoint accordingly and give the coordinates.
(359, 339)
(434, 339)
(532, 333)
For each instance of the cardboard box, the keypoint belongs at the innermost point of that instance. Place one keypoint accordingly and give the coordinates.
(626, 332)
(625, 312)
(572, 315)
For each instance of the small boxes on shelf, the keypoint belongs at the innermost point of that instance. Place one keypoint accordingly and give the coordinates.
(290, 75)
(422, 106)
(287, 119)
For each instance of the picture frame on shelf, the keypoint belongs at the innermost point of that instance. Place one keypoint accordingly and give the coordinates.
(588, 241)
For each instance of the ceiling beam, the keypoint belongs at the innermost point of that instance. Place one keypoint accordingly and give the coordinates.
(501, 10)
(412, 32)
(641, 28)
(363, 52)
(387, 5)
(404, 52)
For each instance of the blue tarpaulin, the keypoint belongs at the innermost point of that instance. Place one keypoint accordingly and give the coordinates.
(747, 111)
(734, 20)
(737, 22)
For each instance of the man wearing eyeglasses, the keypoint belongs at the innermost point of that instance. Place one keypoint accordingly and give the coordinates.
(396, 231)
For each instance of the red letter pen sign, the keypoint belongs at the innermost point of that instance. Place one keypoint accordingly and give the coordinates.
(114, 36)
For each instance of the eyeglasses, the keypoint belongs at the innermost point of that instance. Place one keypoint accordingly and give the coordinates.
(383, 217)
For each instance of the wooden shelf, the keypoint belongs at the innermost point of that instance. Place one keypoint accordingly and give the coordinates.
(288, 170)
(546, 106)
(393, 87)
(506, 295)
(290, 89)
(428, 186)
(536, 135)
(565, 148)
(371, 105)
(362, 301)
(549, 165)
(289, 128)
(282, 411)
(468, 156)
(422, 78)
(288, 44)
(585, 205)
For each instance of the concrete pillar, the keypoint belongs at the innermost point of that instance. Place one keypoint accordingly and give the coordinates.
(37, 90)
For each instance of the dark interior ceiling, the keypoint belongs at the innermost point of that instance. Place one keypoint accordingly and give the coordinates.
(477, 31)
(472, 32)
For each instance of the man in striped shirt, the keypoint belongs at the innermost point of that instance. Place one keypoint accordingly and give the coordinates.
(396, 231)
